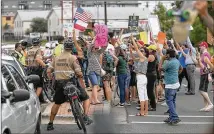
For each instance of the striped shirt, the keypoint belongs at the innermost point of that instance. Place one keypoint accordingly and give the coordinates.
(93, 60)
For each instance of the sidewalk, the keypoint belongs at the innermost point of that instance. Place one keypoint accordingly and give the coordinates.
(63, 113)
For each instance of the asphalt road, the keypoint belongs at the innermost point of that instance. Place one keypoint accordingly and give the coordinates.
(123, 120)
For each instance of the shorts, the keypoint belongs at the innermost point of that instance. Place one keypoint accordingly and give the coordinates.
(128, 79)
(38, 72)
(94, 78)
(133, 81)
(204, 83)
(60, 97)
(107, 77)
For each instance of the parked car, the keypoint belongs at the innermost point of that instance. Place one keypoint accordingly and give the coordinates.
(19, 103)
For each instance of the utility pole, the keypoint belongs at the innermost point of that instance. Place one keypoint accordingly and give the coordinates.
(105, 11)
(62, 16)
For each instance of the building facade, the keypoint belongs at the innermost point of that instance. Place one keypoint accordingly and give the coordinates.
(117, 17)
(14, 5)
(7, 22)
(23, 20)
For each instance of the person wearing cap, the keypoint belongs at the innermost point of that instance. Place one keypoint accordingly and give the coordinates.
(171, 67)
(18, 53)
(24, 51)
(204, 63)
(152, 75)
(59, 48)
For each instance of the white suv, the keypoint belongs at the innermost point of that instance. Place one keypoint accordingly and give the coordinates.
(19, 104)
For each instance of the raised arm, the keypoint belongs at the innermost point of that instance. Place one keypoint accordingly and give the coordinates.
(182, 51)
(79, 49)
(136, 48)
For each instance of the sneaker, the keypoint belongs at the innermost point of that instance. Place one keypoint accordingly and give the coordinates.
(138, 108)
(121, 104)
(209, 107)
(164, 104)
(50, 126)
(174, 122)
(167, 120)
(166, 113)
(127, 103)
(87, 120)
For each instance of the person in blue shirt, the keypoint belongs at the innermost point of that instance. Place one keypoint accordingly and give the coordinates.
(181, 59)
(171, 68)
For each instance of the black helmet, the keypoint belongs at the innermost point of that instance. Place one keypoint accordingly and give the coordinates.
(24, 43)
(68, 44)
(35, 41)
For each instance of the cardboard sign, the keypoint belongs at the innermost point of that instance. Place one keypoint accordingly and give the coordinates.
(154, 25)
(67, 29)
(161, 37)
(144, 37)
(101, 35)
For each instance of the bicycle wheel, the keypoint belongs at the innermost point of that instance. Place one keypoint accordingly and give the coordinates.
(75, 116)
(47, 87)
(78, 115)
(49, 92)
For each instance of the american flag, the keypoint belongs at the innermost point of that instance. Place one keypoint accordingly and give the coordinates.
(82, 15)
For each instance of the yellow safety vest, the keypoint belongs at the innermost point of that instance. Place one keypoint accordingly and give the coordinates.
(21, 58)
(58, 50)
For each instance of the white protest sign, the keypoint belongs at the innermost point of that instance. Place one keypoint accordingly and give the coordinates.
(67, 9)
(67, 29)
(154, 25)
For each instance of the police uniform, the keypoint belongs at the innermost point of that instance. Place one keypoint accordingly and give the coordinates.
(33, 66)
(64, 66)
(19, 56)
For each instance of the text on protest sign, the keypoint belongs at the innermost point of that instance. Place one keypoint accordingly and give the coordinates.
(101, 35)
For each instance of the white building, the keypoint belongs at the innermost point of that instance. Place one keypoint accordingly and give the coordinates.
(23, 19)
(117, 17)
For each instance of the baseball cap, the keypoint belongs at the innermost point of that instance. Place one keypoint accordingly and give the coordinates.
(152, 47)
(141, 42)
(203, 44)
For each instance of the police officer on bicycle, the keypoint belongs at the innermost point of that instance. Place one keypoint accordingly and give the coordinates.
(36, 64)
(64, 66)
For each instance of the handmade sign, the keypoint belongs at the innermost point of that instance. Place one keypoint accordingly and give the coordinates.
(161, 37)
(101, 35)
(154, 25)
(144, 37)
(67, 29)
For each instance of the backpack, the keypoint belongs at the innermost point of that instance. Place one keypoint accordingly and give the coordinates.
(108, 62)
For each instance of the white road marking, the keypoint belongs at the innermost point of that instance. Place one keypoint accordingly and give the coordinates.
(184, 116)
(187, 123)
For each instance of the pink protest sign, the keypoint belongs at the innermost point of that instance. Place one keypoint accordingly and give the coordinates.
(101, 35)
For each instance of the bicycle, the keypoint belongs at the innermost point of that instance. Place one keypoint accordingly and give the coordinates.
(48, 86)
(71, 91)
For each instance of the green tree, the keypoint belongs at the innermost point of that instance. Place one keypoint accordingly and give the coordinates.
(165, 21)
(199, 32)
(39, 25)
(28, 31)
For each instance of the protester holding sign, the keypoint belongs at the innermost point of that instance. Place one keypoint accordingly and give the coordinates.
(94, 69)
